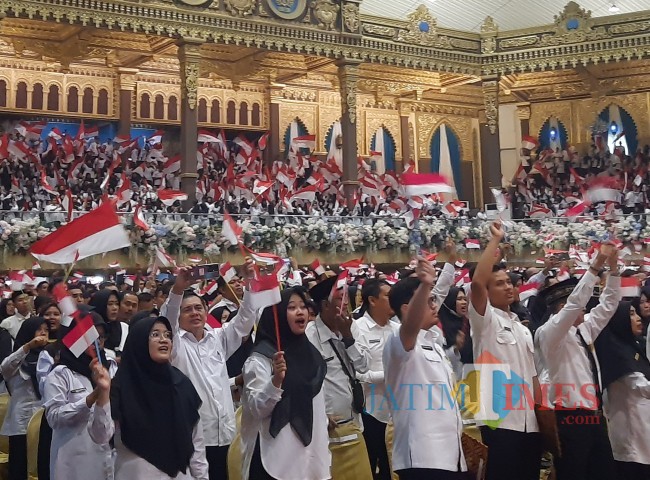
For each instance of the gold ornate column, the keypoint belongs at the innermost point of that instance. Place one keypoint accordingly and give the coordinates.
(189, 54)
(489, 131)
(348, 77)
(523, 114)
(406, 152)
(127, 81)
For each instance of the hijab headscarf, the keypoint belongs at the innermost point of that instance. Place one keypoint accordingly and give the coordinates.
(305, 370)
(452, 323)
(619, 351)
(156, 405)
(80, 364)
(26, 333)
(113, 329)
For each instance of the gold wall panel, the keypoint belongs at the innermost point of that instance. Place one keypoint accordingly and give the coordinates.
(306, 112)
(376, 118)
(426, 125)
(326, 117)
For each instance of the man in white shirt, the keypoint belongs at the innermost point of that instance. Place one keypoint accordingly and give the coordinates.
(201, 354)
(333, 335)
(375, 328)
(23, 304)
(426, 417)
(511, 432)
(575, 390)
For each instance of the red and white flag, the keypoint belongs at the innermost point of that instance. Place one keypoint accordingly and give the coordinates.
(263, 141)
(67, 204)
(163, 259)
(317, 268)
(352, 266)
(473, 244)
(603, 189)
(230, 230)
(45, 185)
(425, 184)
(264, 291)
(99, 231)
(82, 335)
(211, 288)
(169, 197)
(630, 287)
(156, 137)
(244, 143)
(138, 219)
(172, 165)
(528, 290)
(529, 143)
(341, 282)
(66, 303)
(305, 141)
(91, 132)
(575, 211)
(195, 259)
(539, 211)
(306, 193)
(205, 136)
(227, 272)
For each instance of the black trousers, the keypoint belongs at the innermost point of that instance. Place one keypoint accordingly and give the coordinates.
(44, 446)
(18, 457)
(586, 453)
(217, 462)
(631, 470)
(512, 455)
(432, 474)
(374, 433)
(257, 470)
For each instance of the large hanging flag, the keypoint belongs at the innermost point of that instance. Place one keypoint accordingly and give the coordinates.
(99, 231)
(444, 168)
(335, 154)
(425, 184)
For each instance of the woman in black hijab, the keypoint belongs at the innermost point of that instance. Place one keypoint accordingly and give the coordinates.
(19, 371)
(453, 320)
(625, 373)
(284, 424)
(156, 410)
(107, 304)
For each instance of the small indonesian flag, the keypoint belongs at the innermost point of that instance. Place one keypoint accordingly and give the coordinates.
(539, 211)
(305, 141)
(563, 275)
(263, 141)
(341, 282)
(352, 266)
(195, 259)
(205, 136)
(528, 290)
(163, 259)
(66, 303)
(317, 268)
(472, 243)
(138, 219)
(430, 257)
(264, 291)
(36, 266)
(575, 211)
(114, 265)
(425, 184)
(463, 278)
(529, 143)
(630, 287)
(99, 231)
(156, 137)
(210, 288)
(227, 272)
(230, 230)
(169, 196)
(172, 165)
(82, 335)
(78, 274)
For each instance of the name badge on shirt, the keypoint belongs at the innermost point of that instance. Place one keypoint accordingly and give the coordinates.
(427, 347)
(375, 341)
(329, 359)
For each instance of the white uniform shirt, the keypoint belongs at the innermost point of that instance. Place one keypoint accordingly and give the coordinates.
(80, 435)
(444, 283)
(499, 334)
(337, 388)
(627, 403)
(12, 324)
(565, 357)
(372, 338)
(283, 457)
(23, 402)
(428, 425)
(204, 363)
(129, 466)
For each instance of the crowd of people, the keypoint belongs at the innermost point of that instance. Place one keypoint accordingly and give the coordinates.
(350, 374)
(37, 177)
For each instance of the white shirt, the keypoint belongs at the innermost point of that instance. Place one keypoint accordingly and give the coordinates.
(499, 334)
(627, 403)
(283, 457)
(129, 466)
(428, 425)
(337, 388)
(444, 283)
(204, 363)
(12, 324)
(372, 338)
(23, 402)
(563, 354)
(80, 435)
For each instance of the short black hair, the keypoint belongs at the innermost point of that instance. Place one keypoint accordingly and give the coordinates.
(371, 288)
(164, 289)
(401, 294)
(145, 297)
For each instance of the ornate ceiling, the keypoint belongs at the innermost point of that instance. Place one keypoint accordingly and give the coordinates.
(468, 15)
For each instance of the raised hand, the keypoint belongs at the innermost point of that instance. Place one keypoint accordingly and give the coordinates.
(496, 230)
(425, 272)
(279, 369)
(183, 280)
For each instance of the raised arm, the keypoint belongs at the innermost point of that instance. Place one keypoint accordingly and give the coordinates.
(446, 279)
(602, 313)
(478, 294)
(262, 390)
(418, 306)
(241, 325)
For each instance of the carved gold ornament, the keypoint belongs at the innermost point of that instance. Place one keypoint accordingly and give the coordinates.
(349, 75)
(326, 12)
(287, 9)
(351, 17)
(422, 30)
(240, 8)
(490, 98)
(489, 32)
(190, 83)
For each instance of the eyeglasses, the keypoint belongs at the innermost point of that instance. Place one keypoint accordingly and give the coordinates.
(158, 335)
